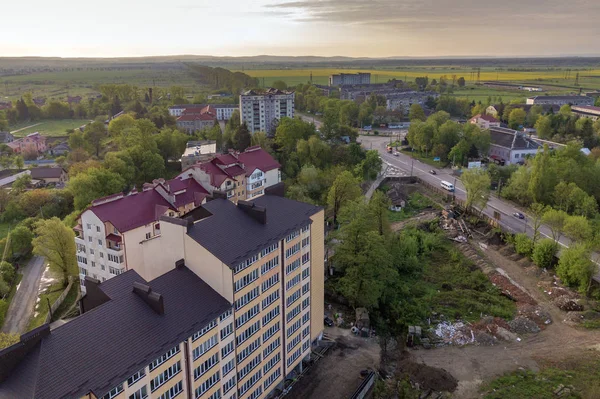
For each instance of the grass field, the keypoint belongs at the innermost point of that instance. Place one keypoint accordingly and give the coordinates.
(48, 127)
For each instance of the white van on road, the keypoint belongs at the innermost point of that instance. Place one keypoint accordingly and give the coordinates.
(447, 186)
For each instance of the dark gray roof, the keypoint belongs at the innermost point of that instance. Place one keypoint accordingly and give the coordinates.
(511, 139)
(233, 236)
(46, 173)
(103, 347)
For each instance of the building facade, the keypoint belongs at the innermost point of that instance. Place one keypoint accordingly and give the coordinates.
(33, 143)
(586, 112)
(223, 112)
(402, 100)
(6, 137)
(235, 318)
(360, 78)
(484, 121)
(261, 111)
(509, 146)
(192, 123)
(561, 100)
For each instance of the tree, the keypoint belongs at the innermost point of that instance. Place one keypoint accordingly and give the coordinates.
(516, 118)
(578, 228)
(93, 135)
(56, 242)
(544, 253)
(370, 167)
(120, 124)
(19, 162)
(523, 244)
(555, 220)
(345, 188)
(378, 208)
(290, 131)
(477, 183)
(279, 84)
(170, 143)
(7, 272)
(242, 138)
(95, 183)
(575, 268)
(543, 127)
(76, 140)
(262, 140)
(416, 113)
(21, 183)
(565, 110)
(20, 240)
(537, 212)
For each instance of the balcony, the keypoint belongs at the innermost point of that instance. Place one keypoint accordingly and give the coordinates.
(79, 241)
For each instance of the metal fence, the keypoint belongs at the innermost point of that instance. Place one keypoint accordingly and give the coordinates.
(364, 388)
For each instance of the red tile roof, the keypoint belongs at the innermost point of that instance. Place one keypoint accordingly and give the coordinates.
(485, 117)
(257, 158)
(234, 170)
(194, 117)
(194, 192)
(226, 159)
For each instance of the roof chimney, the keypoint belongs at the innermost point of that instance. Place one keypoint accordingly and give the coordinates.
(258, 213)
(153, 299)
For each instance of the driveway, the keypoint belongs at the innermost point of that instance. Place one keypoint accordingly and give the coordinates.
(21, 308)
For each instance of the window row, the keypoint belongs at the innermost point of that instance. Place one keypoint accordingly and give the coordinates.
(206, 365)
(206, 385)
(271, 347)
(204, 330)
(272, 378)
(249, 296)
(293, 313)
(165, 376)
(271, 331)
(245, 280)
(292, 236)
(247, 316)
(292, 266)
(293, 328)
(173, 391)
(270, 264)
(250, 382)
(294, 249)
(292, 282)
(247, 351)
(160, 360)
(270, 299)
(272, 363)
(293, 298)
(249, 367)
(204, 347)
(270, 282)
(247, 333)
(270, 315)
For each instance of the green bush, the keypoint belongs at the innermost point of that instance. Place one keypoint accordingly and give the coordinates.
(544, 252)
(523, 244)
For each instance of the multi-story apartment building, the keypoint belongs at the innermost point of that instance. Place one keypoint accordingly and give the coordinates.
(360, 78)
(260, 111)
(237, 315)
(242, 175)
(108, 233)
(223, 112)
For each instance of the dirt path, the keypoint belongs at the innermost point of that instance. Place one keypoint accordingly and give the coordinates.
(26, 127)
(22, 305)
(473, 364)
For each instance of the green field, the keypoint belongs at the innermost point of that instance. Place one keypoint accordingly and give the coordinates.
(48, 127)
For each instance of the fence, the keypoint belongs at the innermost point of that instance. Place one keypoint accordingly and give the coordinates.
(59, 301)
(362, 391)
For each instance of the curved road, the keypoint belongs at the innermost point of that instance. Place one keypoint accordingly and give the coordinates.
(495, 204)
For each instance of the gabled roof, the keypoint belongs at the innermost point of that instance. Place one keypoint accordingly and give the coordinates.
(511, 139)
(103, 347)
(47, 173)
(193, 192)
(485, 117)
(226, 159)
(234, 245)
(195, 117)
(257, 158)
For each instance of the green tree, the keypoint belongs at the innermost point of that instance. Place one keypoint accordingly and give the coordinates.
(95, 183)
(543, 127)
(290, 131)
(416, 113)
(370, 167)
(544, 253)
(537, 212)
(21, 183)
(461, 82)
(379, 205)
(7, 272)
(56, 242)
(93, 135)
(170, 143)
(578, 228)
(345, 188)
(555, 220)
(565, 110)
(575, 268)
(20, 240)
(120, 124)
(516, 118)
(76, 140)
(279, 84)
(19, 162)
(477, 183)
(242, 138)
(523, 244)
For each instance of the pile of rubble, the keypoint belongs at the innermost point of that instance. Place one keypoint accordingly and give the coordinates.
(510, 290)
(454, 333)
(563, 298)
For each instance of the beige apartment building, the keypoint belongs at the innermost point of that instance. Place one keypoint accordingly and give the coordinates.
(227, 303)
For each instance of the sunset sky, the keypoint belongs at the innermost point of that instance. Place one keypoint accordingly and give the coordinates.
(368, 28)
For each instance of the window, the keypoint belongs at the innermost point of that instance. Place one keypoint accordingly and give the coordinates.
(248, 350)
(293, 298)
(81, 259)
(245, 280)
(148, 236)
(165, 376)
(206, 329)
(271, 331)
(305, 303)
(93, 264)
(306, 228)
(83, 271)
(271, 363)
(229, 384)
(293, 313)
(102, 267)
(271, 281)
(207, 365)
(89, 226)
(100, 242)
(91, 251)
(305, 346)
(256, 393)
(225, 315)
(269, 249)
(227, 349)
(204, 347)
(292, 236)
(249, 296)
(90, 238)
(250, 382)
(206, 385)
(245, 317)
(292, 329)
(294, 356)
(249, 367)
(228, 367)
(305, 332)
(226, 331)
(292, 266)
(305, 273)
(113, 270)
(114, 392)
(216, 395)
(102, 254)
(305, 317)
(98, 229)
(173, 391)
(246, 263)
(270, 299)
(141, 393)
(270, 315)
(292, 282)
(269, 265)
(305, 288)
(305, 242)
(136, 377)
(305, 258)
(272, 378)
(157, 362)
(294, 249)
(248, 332)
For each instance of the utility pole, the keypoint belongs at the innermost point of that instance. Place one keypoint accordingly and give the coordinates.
(454, 191)
(499, 186)
(412, 163)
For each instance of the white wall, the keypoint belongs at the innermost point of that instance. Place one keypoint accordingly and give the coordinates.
(273, 177)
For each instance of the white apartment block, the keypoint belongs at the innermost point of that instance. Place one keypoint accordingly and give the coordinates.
(260, 111)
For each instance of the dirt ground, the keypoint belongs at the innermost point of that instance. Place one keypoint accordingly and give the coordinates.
(472, 365)
(337, 374)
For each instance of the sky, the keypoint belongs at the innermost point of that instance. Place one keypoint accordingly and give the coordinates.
(357, 28)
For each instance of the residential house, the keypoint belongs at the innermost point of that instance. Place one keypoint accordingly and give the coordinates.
(262, 110)
(109, 232)
(60, 149)
(561, 100)
(47, 175)
(192, 122)
(6, 137)
(509, 146)
(229, 305)
(33, 143)
(497, 109)
(222, 112)
(586, 111)
(198, 151)
(484, 121)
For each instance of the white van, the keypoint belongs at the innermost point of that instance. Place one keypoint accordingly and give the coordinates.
(447, 186)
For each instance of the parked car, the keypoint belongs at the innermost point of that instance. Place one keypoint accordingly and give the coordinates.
(433, 172)
(328, 322)
(396, 153)
(519, 215)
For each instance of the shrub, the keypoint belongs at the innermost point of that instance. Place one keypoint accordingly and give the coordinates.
(523, 244)
(544, 252)
(7, 272)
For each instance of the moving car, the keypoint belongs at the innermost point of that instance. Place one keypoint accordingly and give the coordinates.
(432, 172)
(396, 153)
(328, 322)
(519, 215)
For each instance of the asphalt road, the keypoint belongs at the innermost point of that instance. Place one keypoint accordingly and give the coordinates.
(21, 308)
(505, 208)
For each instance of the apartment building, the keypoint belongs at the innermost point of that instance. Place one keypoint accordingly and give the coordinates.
(360, 78)
(237, 315)
(561, 100)
(109, 232)
(261, 111)
(223, 112)
(242, 175)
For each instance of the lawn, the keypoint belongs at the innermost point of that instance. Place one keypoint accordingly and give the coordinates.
(49, 127)
(426, 159)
